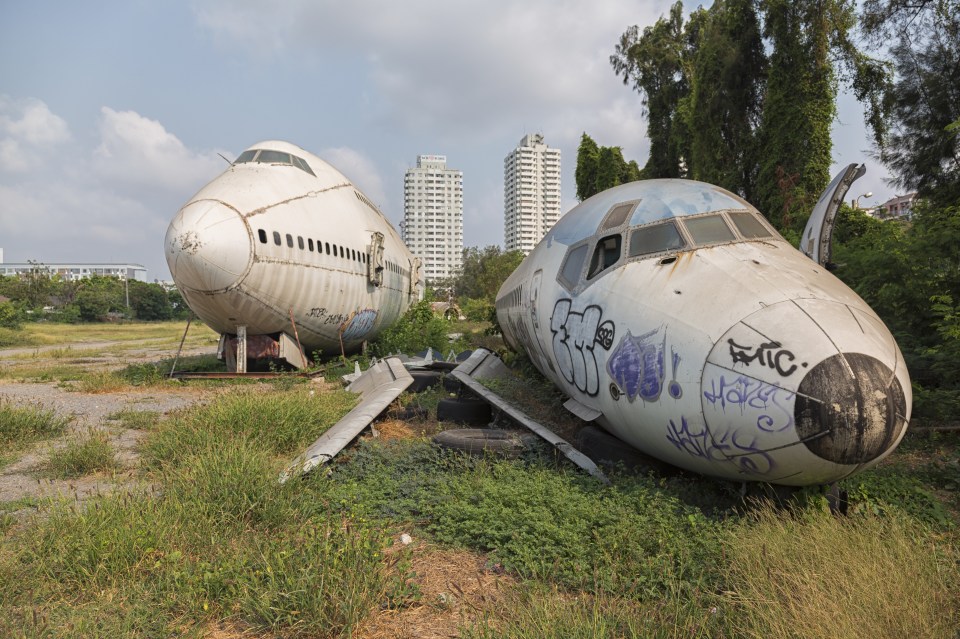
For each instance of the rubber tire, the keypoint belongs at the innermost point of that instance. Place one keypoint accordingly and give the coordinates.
(422, 380)
(607, 450)
(480, 441)
(464, 411)
(451, 384)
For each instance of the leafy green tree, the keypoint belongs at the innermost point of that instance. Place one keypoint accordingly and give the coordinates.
(484, 271)
(149, 301)
(601, 167)
(653, 62)
(419, 329)
(10, 315)
(588, 164)
(728, 79)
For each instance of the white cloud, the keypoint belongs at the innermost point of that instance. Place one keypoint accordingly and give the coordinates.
(359, 169)
(138, 152)
(29, 132)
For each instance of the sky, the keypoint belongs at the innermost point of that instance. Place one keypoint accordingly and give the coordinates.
(114, 113)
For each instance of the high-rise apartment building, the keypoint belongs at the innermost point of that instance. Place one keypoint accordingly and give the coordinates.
(531, 193)
(433, 216)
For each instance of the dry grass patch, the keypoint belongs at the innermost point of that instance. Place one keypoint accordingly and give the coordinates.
(813, 575)
(456, 588)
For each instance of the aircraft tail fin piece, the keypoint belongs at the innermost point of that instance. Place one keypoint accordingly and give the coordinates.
(815, 241)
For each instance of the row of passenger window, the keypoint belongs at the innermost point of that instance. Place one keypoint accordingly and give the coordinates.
(321, 247)
(327, 248)
(675, 234)
(513, 298)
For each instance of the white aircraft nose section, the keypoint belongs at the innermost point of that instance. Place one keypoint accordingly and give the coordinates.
(817, 373)
(208, 247)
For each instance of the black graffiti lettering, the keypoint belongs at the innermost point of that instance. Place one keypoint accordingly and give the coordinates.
(769, 354)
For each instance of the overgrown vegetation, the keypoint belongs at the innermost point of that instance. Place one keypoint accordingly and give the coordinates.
(84, 455)
(21, 426)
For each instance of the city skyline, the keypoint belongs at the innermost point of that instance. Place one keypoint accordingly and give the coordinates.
(107, 128)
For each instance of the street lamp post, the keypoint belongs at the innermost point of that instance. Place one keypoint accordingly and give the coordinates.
(856, 202)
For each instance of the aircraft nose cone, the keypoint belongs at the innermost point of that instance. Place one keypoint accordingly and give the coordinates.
(208, 246)
(850, 408)
(802, 377)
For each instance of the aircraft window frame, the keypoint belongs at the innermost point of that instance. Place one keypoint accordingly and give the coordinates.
(262, 235)
(310, 244)
(596, 268)
(684, 243)
(700, 220)
(754, 219)
(327, 244)
(289, 241)
(246, 156)
(571, 271)
(274, 157)
(613, 220)
(276, 238)
(300, 242)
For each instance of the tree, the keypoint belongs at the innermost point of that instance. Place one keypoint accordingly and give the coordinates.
(654, 63)
(923, 148)
(149, 301)
(728, 79)
(601, 167)
(484, 271)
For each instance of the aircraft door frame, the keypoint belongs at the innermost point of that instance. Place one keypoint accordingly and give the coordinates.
(535, 312)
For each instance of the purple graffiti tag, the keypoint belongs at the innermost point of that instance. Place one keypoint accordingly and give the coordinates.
(638, 366)
(747, 394)
(726, 446)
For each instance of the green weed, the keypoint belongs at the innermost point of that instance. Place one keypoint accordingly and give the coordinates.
(82, 456)
(136, 419)
(23, 425)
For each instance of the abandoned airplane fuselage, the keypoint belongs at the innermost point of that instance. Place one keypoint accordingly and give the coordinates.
(685, 325)
(286, 246)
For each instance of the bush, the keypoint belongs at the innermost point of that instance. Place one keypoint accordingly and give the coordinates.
(10, 316)
(416, 331)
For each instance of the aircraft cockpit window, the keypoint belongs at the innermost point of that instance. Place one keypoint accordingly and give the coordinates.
(749, 226)
(617, 216)
(246, 156)
(570, 273)
(655, 239)
(274, 157)
(708, 229)
(301, 163)
(606, 254)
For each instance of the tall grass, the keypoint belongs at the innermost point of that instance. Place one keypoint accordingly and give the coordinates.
(220, 539)
(814, 575)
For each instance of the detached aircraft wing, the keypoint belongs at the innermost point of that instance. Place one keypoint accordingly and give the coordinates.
(815, 241)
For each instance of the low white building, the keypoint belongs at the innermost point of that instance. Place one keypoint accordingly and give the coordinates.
(71, 271)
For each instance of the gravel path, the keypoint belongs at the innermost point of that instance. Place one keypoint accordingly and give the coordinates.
(23, 479)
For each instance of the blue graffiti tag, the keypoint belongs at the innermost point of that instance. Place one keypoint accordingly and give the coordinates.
(746, 394)
(726, 446)
(638, 366)
(360, 324)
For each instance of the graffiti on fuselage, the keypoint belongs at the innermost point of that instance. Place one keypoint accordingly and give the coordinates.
(730, 445)
(320, 313)
(575, 336)
(772, 405)
(769, 354)
(638, 367)
(359, 325)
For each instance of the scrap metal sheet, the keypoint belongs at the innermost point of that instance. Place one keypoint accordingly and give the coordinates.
(379, 385)
(483, 364)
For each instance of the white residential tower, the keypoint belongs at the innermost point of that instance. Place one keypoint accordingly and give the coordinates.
(531, 193)
(432, 225)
